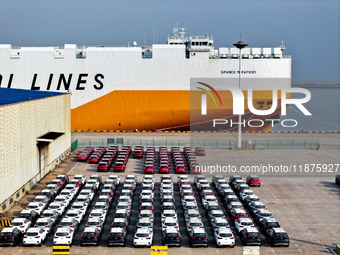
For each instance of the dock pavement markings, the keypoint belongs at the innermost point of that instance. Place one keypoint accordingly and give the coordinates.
(312, 213)
(68, 173)
(286, 208)
(304, 225)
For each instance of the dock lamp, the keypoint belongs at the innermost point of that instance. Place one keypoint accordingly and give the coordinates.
(240, 45)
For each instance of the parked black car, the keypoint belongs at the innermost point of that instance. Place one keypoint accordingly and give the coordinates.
(10, 236)
(277, 237)
(198, 237)
(337, 179)
(251, 236)
(117, 236)
(90, 236)
(30, 215)
(171, 237)
(268, 223)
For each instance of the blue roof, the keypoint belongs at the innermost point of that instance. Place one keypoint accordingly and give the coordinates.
(11, 96)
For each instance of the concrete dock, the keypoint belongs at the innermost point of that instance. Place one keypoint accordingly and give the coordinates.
(306, 202)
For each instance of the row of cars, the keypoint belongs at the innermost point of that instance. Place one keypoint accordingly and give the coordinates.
(191, 157)
(67, 203)
(149, 165)
(138, 151)
(39, 217)
(97, 216)
(170, 224)
(194, 224)
(119, 227)
(122, 158)
(105, 162)
(178, 160)
(85, 153)
(164, 163)
(143, 235)
(241, 202)
(106, 158)
(218, 221)
(97, 154)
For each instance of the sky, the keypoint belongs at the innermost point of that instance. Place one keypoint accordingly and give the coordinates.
(310, 28)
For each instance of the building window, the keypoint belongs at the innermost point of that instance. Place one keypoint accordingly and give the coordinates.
(11, 200)
(4, 206)
(17, 195)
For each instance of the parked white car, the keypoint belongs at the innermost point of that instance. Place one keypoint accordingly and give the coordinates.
(59, 207)
(98, 214)
(88, 193)
(72, 187)
(68, 193)
(145, 223)
(45, 223)
(76, 214)
(35, 236)
(207, 199)
(224, 237)
(80, 177)
(80, 206)
(95, 222)
(63, 236)
(36, 206)
(169, 223)
(116, 178)
(242, 223)
(194, 223)
(188, 199)
(219, 223)
(143, 237)
(51, 214)
(63, 199)
(22, 224)
(192, 214)
(146, 214)
(169, 214)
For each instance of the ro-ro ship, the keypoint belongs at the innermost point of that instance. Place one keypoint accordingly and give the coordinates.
(146, 88)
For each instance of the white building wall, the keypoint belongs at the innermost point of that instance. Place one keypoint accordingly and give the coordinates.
(21, 124)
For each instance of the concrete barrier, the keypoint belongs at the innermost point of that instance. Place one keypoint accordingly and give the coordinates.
(5, 222)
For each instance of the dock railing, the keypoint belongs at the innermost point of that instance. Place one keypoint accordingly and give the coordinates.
(207, 143)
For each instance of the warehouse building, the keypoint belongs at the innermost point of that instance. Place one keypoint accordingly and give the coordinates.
(35, 136)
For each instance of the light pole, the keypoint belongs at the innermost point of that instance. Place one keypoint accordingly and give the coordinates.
(240, 45)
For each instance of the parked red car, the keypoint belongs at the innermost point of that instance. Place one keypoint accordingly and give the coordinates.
(103, 167)
(235, 214)
(180, 169)
(163, 169)
(138, 151)
(199, 151)
(253, 180)
(119, 166)
(83, 156)
(149, 169)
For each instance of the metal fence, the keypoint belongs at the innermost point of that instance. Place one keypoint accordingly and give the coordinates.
(207, 143)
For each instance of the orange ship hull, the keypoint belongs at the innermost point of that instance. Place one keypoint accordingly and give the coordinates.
(161, 110)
